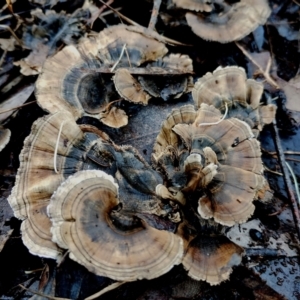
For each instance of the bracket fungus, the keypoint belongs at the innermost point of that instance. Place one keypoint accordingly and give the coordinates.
(54, 150)
(57, 148)
(230, 86)
(199, 151)
(211, 258)
(225, 21)
(82, 211)
(78, 78)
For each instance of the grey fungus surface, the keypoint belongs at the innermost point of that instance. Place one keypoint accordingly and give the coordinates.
(235, 21)
(84, 222)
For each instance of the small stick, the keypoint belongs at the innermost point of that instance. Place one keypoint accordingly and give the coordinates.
(273, 172)
(4, 111)
(41, 294)
(163, 38)
(286, 178)
(215, 123)
(63, 258)
(105, 290)
(265, 73)
(101, 9)
(278, 211)
(12, 33)
(295, 181)
(120, 57)
(56, 146)
(154, 15)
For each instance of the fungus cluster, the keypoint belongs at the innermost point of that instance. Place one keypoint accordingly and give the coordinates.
(78, 191)
(214, 160)
(79, 78)
(224, 21)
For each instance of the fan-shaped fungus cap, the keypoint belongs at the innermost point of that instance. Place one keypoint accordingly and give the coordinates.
(226, 144)
(4, 137)
(72, 80)
(230, 85)
(196, 5)
(129, 88)
(173, 84)
(233, 23)
(166, 137)
(211, 258)
(84, 222)
(42, 168)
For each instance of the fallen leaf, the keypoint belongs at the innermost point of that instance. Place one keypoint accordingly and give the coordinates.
(4, 238)
(32, 64)
(292, 92)
(16, 100)
(8, 44)
(291, 88)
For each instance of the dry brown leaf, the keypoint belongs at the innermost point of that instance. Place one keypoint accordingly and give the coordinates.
(291, 88)
(16, 100)
(8, 44)
(292, 92)
(32, 64)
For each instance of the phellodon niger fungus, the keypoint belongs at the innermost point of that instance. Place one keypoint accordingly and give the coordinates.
(78, 78)
(223, 22)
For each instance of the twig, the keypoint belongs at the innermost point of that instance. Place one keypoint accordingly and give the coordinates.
(105, 290)
(12, 33)
(278, 211)
(41, 294)
(56, 146)
(215, 123)
(154, 15)
(295, 181)
(4, 111)
(265, 73)
(120, 57)
(286, 177)
(120, 15)
(63, 258)
(101, 9)
(162, 38)
(273, 172)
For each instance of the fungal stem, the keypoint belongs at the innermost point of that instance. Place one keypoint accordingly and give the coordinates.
(56, 146)
(120, 57)
(215, 123)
